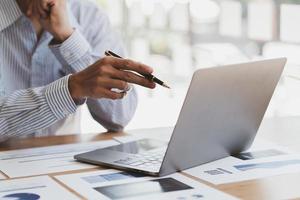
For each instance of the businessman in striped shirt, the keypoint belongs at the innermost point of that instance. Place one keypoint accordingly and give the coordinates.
(51, 62)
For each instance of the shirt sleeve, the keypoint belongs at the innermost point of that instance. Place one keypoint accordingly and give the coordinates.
(86, 45)
(26, 111)
(74, 54)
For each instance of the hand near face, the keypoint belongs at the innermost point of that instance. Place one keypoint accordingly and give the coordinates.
(53, 17)
(98, 80)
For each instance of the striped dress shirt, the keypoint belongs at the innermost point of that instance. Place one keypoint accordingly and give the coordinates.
(34, 95)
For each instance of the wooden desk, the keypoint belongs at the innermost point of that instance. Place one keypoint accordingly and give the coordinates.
(278, 187)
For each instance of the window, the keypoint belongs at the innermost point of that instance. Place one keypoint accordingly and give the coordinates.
(180, 36)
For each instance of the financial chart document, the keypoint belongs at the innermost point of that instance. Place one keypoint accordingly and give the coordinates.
(42, 187)
(46, 160)
(113, 184)
(262, 160)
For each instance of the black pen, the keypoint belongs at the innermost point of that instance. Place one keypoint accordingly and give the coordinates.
(150, 77)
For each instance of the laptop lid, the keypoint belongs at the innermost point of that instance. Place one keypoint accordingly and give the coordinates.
(222, 112)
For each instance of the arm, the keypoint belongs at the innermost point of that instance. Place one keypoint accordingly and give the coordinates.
(78, 52)
(25, 111)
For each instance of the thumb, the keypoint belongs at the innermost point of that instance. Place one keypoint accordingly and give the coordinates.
(51, 3)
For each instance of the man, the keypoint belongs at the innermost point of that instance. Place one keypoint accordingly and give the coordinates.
(47, 52)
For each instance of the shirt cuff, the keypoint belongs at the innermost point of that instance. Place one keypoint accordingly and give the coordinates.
(59, 98)
(72, 50)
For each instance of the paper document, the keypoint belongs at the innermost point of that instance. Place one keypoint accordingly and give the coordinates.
(113, 184)
(46, 160)
(34, 188)
(258, 162)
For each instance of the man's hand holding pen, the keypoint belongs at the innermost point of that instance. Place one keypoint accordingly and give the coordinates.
(98, 80)
(148, 76)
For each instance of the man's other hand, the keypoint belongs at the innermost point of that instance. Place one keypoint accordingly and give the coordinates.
(53, 16)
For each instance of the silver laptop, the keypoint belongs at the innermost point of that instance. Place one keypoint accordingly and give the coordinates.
(221, 115)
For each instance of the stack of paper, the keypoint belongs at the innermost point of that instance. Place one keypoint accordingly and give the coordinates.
(259, 162)
(45, 160)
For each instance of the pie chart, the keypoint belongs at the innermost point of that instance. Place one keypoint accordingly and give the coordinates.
(21, 196)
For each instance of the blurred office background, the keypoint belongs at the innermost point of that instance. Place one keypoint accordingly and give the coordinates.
(177, 37)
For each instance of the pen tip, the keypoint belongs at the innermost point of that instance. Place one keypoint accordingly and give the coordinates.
(166, 86)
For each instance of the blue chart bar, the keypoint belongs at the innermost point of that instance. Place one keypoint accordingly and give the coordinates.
(23, 196)
(270, 165)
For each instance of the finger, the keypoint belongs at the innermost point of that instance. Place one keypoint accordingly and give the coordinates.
(127, 64)
(42, 11)
(127, 76)
(105, 70)
(112, 83)
(51, 3)
(105, 93)
(134, 78)
(108, 71)
(45, 4)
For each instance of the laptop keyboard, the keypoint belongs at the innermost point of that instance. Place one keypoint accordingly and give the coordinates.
(151, 159)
